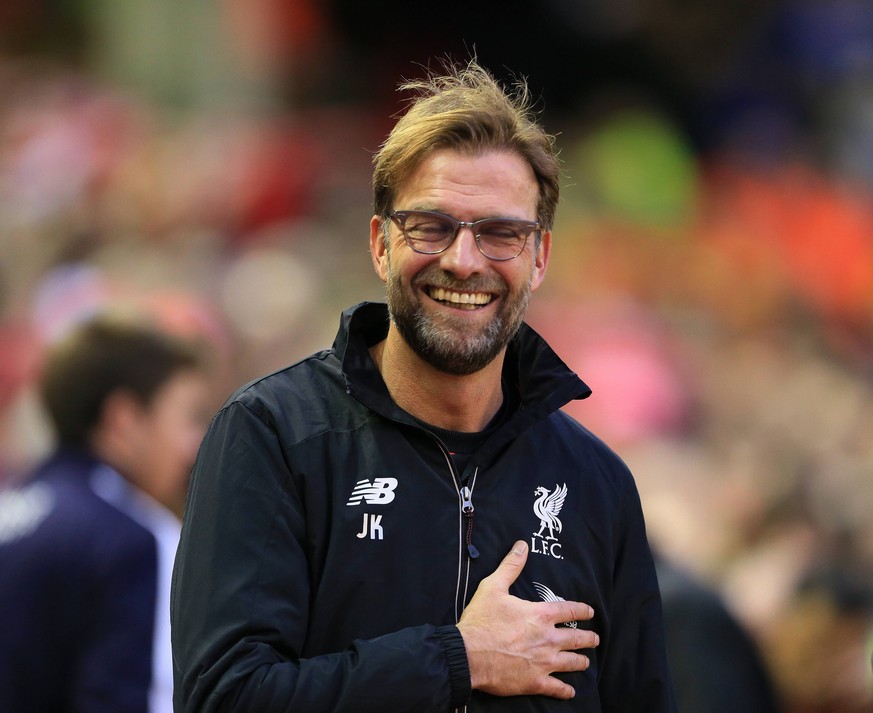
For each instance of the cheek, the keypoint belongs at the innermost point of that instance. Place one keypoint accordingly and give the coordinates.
(175, 440)
(401, 260)
(183, 439)
(171, 458)
(397, 274)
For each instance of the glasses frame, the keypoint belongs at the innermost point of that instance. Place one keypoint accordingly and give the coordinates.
(399, 217)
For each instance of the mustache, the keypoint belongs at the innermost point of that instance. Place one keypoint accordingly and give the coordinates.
(435, 277)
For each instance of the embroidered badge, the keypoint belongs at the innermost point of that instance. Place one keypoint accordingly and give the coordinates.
(546, 507)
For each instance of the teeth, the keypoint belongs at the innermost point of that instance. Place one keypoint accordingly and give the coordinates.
(475, 298)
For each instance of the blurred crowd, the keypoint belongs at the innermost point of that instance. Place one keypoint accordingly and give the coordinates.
(711, 278)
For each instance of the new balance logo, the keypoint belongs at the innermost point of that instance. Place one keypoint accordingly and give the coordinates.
(378, 492)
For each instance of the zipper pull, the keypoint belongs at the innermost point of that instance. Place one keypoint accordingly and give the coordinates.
(467, 509)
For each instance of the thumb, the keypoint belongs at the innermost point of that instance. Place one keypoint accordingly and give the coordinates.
(509, 569)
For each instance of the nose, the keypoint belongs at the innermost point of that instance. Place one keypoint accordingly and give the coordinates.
(462, 258)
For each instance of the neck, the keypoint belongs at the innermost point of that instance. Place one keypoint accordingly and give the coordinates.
(457, 403)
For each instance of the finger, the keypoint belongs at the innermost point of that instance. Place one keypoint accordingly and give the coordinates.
(575, 639)
(569, 661)
(509, 569)
(556, 688)
(566, 612)
(590, 640)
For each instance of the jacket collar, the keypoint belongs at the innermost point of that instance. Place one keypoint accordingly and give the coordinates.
(67, 463)
(542, 382)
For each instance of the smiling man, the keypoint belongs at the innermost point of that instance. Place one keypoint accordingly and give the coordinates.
(482, 287)
(408, 521)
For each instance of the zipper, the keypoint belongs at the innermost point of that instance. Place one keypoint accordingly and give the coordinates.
(467, 509)
(465, 494)
(465, 525)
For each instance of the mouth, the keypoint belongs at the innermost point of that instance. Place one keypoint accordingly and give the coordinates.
(461, 300)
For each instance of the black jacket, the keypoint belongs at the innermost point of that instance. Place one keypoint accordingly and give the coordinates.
(324, 558)
(82, 613)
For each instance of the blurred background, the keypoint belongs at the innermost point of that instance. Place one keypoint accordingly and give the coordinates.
(711, 275)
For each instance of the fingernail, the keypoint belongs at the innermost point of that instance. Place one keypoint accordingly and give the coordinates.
(596, 640)
(519, 548)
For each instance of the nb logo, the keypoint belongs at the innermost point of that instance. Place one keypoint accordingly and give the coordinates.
(378, 492)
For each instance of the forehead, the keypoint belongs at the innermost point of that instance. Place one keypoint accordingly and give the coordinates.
(493, 183)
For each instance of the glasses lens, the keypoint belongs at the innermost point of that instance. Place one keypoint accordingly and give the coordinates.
(502, 239)
(428, 232)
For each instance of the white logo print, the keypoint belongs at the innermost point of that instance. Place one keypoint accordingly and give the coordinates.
(379, 492)
(23, 510)
(547, 595)
(546, 507)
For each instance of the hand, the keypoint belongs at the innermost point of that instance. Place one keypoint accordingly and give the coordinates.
(513, 645)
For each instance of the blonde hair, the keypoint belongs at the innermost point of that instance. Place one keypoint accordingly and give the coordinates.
(467, 110)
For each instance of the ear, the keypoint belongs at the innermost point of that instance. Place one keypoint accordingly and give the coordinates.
(541, 260)
(377, 248)
(121, 414)
(118, 430)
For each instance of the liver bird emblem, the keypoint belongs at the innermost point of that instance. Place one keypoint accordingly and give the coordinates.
(547, 506)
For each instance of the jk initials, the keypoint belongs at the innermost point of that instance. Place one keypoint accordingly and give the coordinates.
(371, 525)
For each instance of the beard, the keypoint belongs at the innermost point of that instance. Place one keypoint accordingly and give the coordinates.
(452, 345)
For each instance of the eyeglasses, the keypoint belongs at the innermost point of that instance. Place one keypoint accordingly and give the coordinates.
(430, 233)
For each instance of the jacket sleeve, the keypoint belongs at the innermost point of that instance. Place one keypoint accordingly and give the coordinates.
(636, 674)
(241, 590)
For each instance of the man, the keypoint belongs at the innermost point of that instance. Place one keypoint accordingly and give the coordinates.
(87, 543)
(407, 522)
(730, 676)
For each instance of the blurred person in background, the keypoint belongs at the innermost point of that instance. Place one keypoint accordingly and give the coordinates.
(87, 541)
(833, 602)
(717, 665)
(332, 558)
